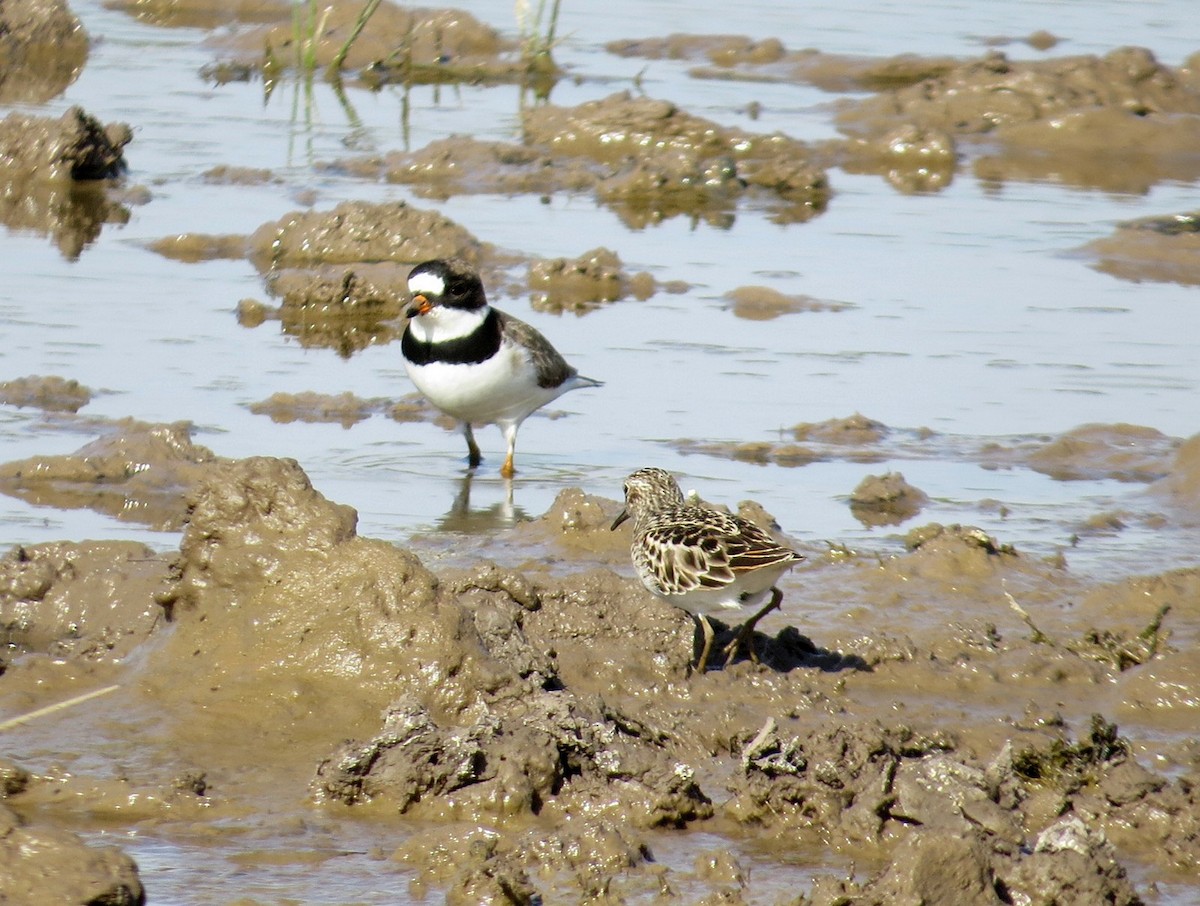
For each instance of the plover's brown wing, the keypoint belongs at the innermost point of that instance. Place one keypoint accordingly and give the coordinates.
(552, 369)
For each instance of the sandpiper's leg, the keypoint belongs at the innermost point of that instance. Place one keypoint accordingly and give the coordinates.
(474, 457)
(510, 436)
(742, 639)
(706, 648)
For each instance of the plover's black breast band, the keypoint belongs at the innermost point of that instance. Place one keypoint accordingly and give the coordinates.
(478, 346)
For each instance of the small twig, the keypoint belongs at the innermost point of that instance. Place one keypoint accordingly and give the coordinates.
(50, 709)
(758, 743)
(1039, 637)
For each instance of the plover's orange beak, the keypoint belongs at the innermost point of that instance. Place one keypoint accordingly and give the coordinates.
(624, 514)
(420, 306)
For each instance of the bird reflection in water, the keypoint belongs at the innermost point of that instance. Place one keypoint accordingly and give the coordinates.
(500, 515)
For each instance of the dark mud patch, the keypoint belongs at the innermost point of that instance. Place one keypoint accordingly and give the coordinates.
(50, 394)
(342, 275)
(1159, 249)
(43, 48)
(53, 175)
(1181, 483)
(1129, 453)
(1121, 122)
(646, 159)
(1112, 149)
(135, 472)
(667, 161)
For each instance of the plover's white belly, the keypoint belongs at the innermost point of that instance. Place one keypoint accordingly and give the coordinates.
(502, 388)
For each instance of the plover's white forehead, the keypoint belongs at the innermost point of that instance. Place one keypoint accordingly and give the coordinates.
(427, 284)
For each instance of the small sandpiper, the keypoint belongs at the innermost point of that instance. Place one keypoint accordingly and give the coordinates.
(474, 362)
(701, 559)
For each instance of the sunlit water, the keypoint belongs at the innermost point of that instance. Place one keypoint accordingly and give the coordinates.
(968, 314)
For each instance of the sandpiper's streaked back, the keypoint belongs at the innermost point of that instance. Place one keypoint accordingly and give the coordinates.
(701, 559)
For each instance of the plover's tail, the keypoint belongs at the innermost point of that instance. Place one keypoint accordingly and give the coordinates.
(579, 382)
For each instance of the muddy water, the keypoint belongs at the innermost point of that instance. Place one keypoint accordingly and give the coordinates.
(965, 321)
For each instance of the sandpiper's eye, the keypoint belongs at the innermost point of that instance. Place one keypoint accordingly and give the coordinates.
(457, 288)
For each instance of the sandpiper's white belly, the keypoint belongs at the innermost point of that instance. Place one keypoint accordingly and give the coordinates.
(502, 388)
(748, 590)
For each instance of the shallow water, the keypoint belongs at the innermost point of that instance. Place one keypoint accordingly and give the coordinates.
(969, 313)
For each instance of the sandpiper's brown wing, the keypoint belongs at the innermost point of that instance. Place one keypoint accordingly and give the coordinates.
(696, 547)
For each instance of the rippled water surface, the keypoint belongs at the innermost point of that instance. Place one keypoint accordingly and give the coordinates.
(967, 312)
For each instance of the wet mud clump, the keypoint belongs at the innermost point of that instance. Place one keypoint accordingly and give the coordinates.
(50, 394)
(134, 472)
(658, 160)
(584, 283)
(646, 159)
(49, 865)
(52, 175)
(1164, 249)
(43, 48)
(79, 600)
(1110, 122)
(886, 500)
(342, 275)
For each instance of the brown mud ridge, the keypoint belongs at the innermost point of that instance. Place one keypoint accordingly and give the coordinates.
(538, 732)
(1122, 122)
(341, 276)
(644, 158)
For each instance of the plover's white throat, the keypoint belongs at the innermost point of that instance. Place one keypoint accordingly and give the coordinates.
(474, 362)
(701, 559)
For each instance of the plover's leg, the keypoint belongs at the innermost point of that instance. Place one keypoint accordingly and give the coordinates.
(706, 648)
(510, 436)
(747, 630)
(474, 457)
